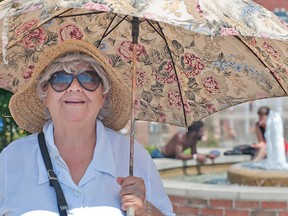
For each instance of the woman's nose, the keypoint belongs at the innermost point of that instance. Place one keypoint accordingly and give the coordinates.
(75, 85)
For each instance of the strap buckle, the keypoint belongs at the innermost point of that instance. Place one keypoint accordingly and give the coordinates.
(63, 208)
(52, 175)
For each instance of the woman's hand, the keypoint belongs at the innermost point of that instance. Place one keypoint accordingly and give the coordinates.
(133, 194)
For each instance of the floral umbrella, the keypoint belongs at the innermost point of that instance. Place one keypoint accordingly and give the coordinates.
(191, 58)
(191, 62)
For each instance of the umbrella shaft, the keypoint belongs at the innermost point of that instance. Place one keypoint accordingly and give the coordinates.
(135, 30)
(132, 108)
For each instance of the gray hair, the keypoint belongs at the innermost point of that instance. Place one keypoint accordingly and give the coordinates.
(68, 63)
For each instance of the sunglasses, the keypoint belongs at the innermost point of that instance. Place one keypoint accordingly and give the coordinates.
(89, 80)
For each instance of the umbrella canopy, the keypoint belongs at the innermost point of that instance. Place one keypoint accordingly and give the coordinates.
(193, 58)
(189, 58)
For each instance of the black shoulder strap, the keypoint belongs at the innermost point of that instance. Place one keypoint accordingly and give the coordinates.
(62, 204)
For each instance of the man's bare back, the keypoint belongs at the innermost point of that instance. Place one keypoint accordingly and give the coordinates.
(174, 144)
(186, 140)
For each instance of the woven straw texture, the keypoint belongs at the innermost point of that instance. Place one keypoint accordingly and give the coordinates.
(28, 110)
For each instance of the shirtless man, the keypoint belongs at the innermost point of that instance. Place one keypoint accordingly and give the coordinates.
(182, 141)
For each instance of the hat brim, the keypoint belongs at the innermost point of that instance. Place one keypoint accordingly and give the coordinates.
(28, 111)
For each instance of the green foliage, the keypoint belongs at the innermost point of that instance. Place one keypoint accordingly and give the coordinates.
(10, 130)
(150, 149)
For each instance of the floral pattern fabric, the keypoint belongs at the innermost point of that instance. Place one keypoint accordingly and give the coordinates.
(191, 61)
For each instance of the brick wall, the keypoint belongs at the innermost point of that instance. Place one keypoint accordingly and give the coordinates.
(185, 206)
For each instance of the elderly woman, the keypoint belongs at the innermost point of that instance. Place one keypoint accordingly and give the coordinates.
(76, 100)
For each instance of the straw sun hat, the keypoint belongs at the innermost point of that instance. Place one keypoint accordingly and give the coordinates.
(28, 111)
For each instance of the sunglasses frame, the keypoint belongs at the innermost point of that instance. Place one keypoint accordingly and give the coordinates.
(77, 77)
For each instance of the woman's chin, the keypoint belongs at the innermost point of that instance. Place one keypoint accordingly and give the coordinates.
(74, 118)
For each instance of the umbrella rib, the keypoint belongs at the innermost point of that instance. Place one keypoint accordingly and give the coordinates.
(123, 18)
(104, 35)
(239, 38)
(80, 14)
(32, 29)
(108, 32)
(161, 34)
(114, 26)
(98, 12)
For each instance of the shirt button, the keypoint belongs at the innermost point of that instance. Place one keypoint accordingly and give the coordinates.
(77, 193)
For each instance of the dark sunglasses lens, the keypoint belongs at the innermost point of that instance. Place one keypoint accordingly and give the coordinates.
(60, 81)
(89, 80)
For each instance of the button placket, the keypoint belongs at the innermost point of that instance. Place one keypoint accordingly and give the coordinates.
(77, 193)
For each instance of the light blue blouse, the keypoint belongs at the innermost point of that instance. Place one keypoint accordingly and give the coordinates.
(25, 188)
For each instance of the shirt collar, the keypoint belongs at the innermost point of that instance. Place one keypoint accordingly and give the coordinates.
(103, 157)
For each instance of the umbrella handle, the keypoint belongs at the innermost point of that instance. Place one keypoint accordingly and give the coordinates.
(130, 211)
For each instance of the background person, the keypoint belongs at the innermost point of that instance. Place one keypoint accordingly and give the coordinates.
(260, 127)
(85, 103)
(182, 141)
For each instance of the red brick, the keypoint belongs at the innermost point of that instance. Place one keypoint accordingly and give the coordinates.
(176, 207)
(189, 214)
(274, 205)
(221, 203)
(283, 213)
(209, 212)
(246, 205)
(198, 202)
(175, 200)
(263, 213)
(237, 213)
(187, 210)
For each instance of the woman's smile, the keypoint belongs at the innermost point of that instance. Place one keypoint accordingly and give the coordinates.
(74, 101)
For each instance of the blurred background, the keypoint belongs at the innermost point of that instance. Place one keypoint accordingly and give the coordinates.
(227, 128)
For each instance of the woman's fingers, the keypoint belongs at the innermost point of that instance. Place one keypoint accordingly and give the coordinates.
(132, 193)
(131, 201)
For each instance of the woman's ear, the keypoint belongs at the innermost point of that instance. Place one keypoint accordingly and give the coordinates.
(104, 96)
(45, 87)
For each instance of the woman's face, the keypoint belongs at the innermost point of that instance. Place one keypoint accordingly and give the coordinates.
(75, 104)
(262, 119)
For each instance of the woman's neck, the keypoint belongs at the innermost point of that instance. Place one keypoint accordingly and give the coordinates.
(76, 146)
(74, 135)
